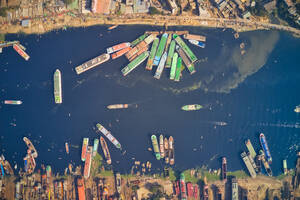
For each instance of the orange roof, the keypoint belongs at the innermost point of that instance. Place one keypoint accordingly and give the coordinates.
(101, 6)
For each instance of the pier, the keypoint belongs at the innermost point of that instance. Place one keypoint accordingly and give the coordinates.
(168, 32)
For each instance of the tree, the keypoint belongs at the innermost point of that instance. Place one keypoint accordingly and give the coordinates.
(68, 2)
(3, 12)
(153, 11)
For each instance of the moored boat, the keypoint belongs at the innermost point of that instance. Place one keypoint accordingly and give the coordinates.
(161, 146)
(155, 147)
(250, 148)
(190, 190)
(117, 106)
(136, 62)
(120, 53)
(109, 136)
(224, 168)
(85, 144)
(191, 107)
(171, 150)
(152, 54)
(160, 49)
(117, 47)
(182, 187)
(161, 66)
(88, 162)
(297, 109)
(265, 163)
(105, 150)
(166, 146)
(20, 51)
(13, 102)
(265, 147)
(284, 167)
(95, 147)
(197, 43)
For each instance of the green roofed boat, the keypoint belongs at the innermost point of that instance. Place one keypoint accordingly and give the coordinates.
(155, 147)
(191, 107)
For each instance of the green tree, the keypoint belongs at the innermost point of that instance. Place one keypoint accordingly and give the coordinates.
(68, 2)
(153, 11)
(3, 12)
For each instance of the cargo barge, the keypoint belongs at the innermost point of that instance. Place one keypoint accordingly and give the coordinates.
(92, 63)
(9, 43)
(194, 37)
(150, 39)
(166, 146)
(161, 146)
(190, 190)
(160, 49)
(13, 102)
(152, 54)
(265, 147)
(171, 151)
(224, 169)
(183, 195)
(120, 53)
(117, 106)
(191, 107)
(130, 55)
(173, 67)
(117, 47)
(185, 59)
(170, 54)
(85, 144)
(136, 62)
(95, 147)
(109, 136)
(88, 162)
(248, 164)
(105, 150)
(161, 66)
(138, 40)
(20, 51)
(178, 69)
(284, 164)
(144, 49)
(57, 86)
(265, 163)
(185, 48)
(155, 147)
(250, 148)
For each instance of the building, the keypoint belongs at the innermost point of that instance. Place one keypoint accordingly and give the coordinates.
(234, 189)
(270, 6)
(246, 15)
(141, 6)
(173, 6)
(26, 23)
(101, 6)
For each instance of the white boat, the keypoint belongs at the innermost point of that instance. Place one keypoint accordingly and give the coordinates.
(197, 43)
(161, 66)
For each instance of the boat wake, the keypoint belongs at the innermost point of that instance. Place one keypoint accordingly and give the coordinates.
(283, 125)
(215, 123)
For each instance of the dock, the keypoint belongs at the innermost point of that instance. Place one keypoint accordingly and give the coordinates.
(248, 165)
(168, 32)
(8, 44)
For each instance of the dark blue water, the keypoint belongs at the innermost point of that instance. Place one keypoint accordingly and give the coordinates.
(253, 93)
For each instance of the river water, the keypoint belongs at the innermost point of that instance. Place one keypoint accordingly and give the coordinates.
(253, 93)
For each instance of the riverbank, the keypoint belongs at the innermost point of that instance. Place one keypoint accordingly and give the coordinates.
(40, 26)
(144, 186)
